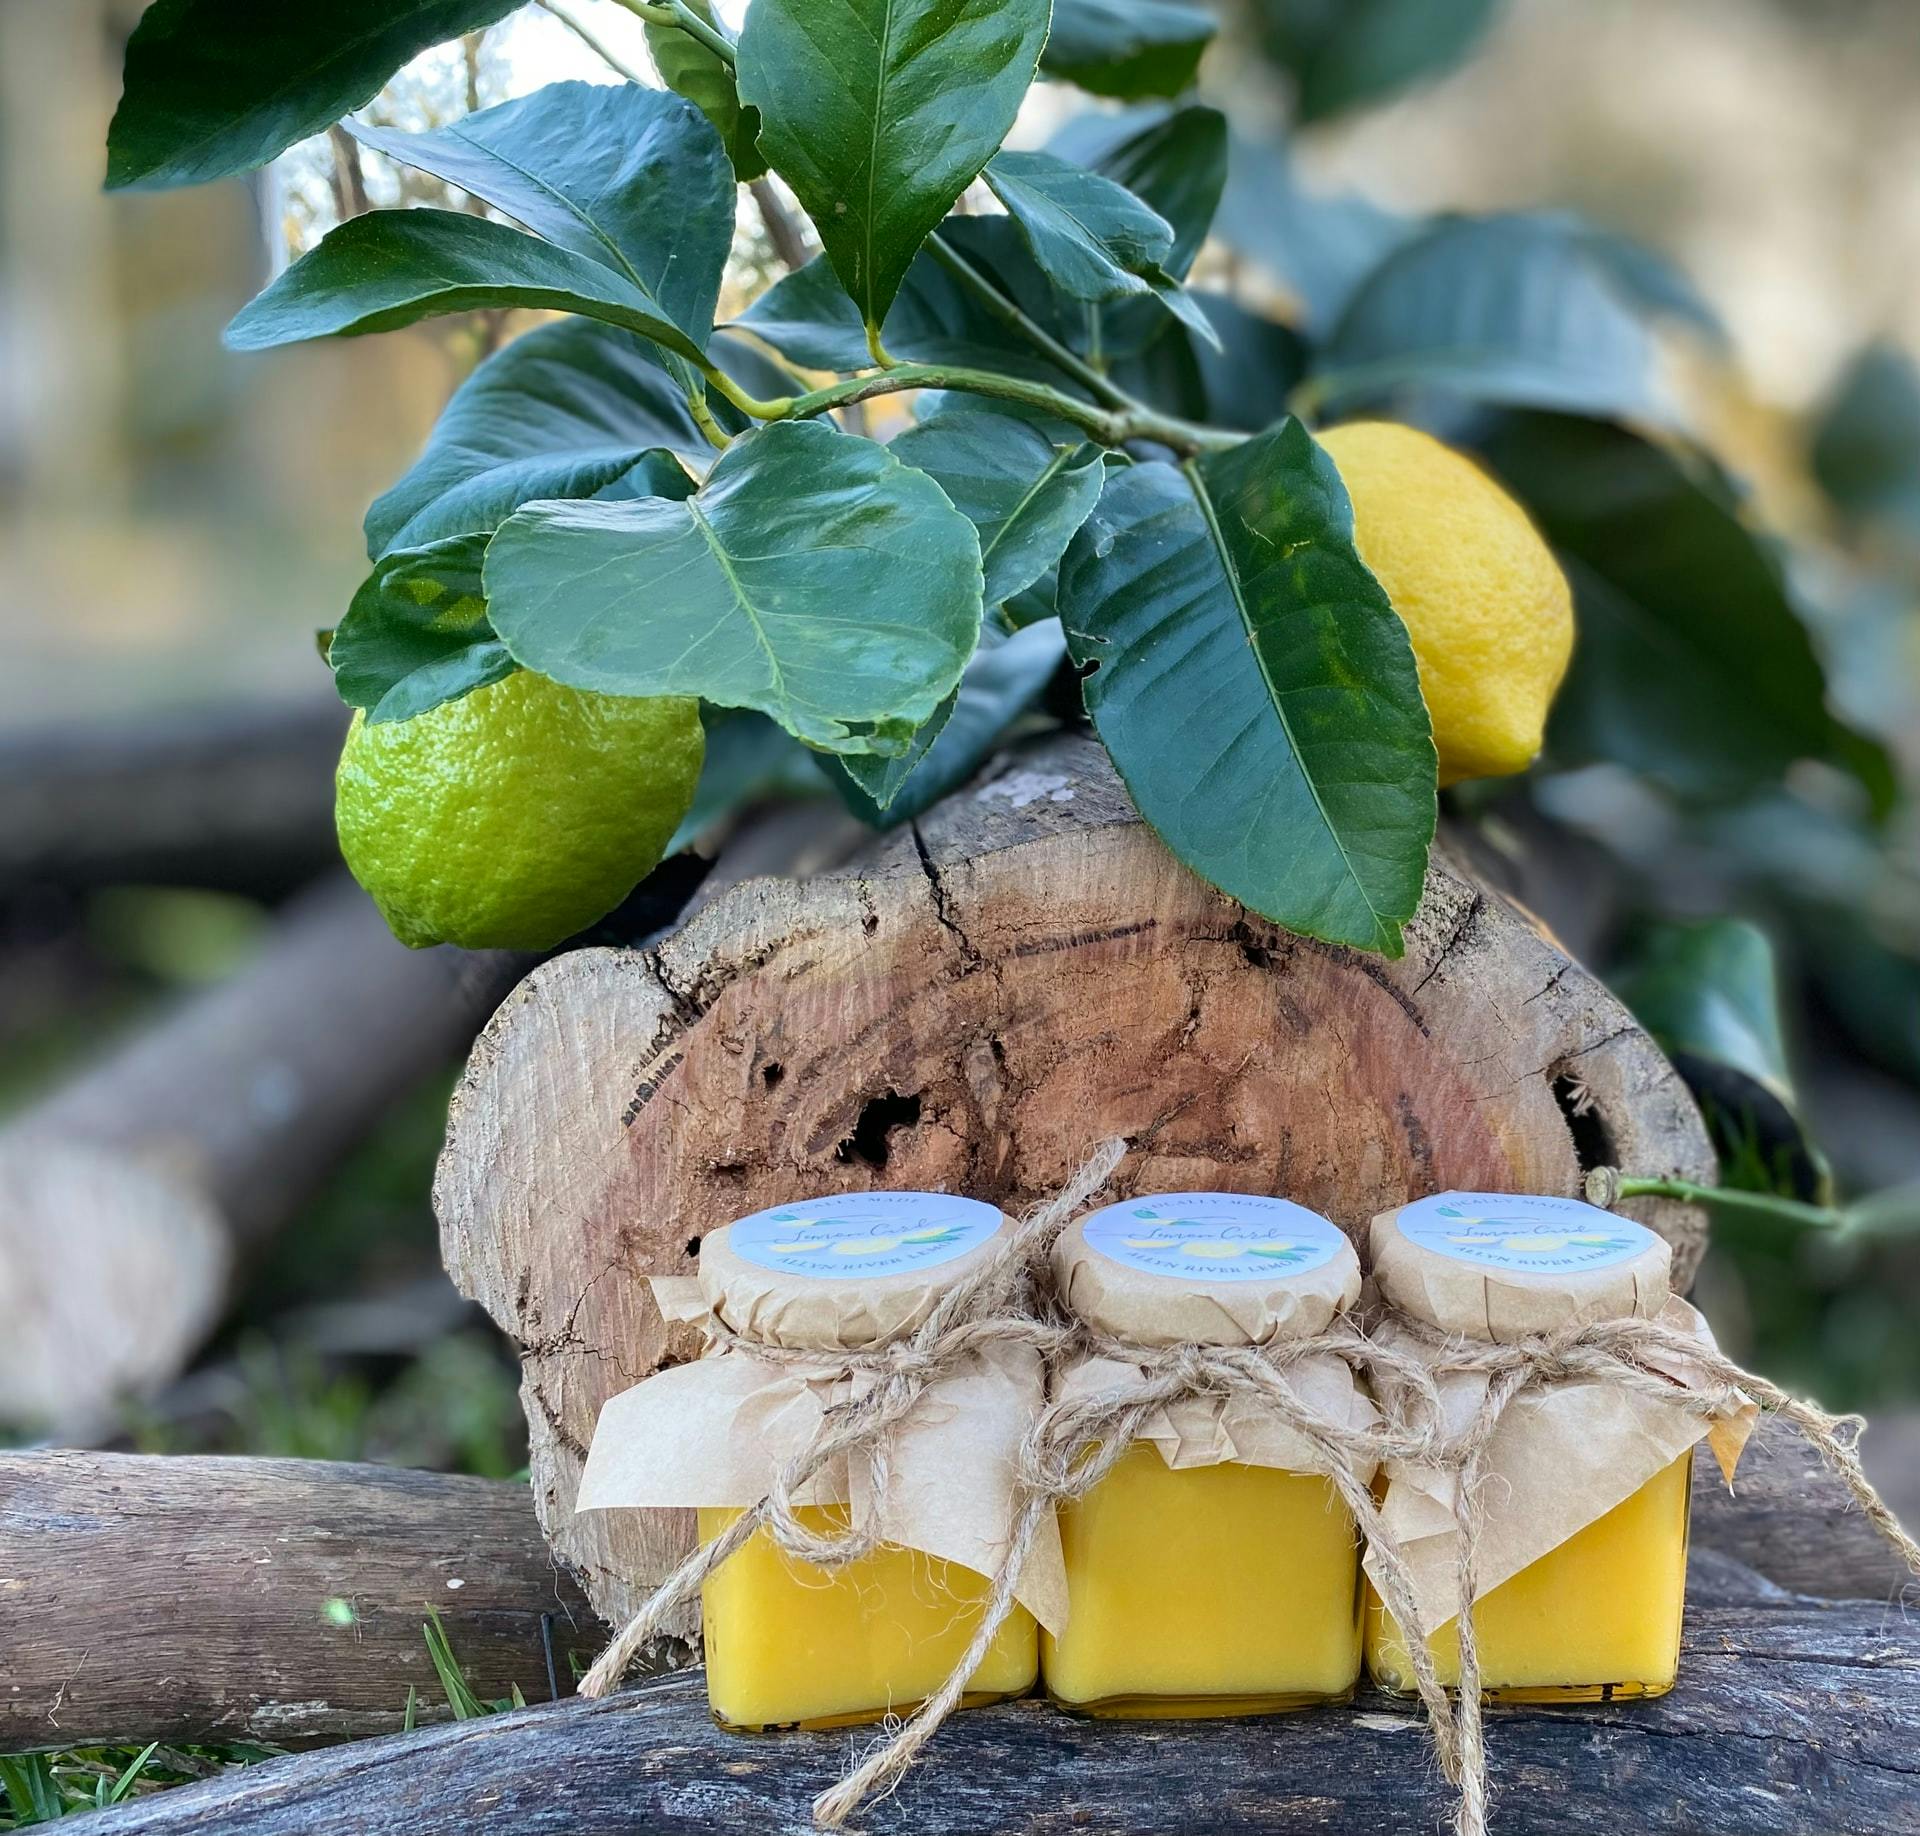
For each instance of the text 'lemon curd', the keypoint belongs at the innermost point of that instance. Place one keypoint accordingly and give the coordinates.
(797, 1296)
(1213, 1570)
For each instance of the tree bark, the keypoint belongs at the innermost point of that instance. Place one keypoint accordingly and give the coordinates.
(1792, 1717)
(273, 1600)
(127, 1196)
(187, 1599)
(972, 1006)
(240, 800)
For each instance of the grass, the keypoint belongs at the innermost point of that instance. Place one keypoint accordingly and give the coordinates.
(37, 1788)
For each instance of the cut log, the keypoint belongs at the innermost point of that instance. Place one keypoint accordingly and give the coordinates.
(1792, 1717)
(1020, 973)
(126, 1196)
(208, 1582)
(239, 799)
(274, 1600)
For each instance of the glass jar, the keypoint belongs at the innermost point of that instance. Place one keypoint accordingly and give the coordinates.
(1583, 1555)
(1212, 1571)
(789, 1643)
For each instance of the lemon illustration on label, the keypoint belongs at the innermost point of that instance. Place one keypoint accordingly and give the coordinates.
(1539, 1243)
(1213, 1237)
(1522, 1232)
(863, 1236)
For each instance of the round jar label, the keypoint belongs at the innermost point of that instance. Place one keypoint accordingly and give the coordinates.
(1522, 1233)
(863, 1234)
(1214, 1237)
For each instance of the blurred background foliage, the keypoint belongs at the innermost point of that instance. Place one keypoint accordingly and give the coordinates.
(1723, 190)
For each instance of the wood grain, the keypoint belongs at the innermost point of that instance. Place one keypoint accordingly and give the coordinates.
(188, 1599)
(970, 1007)
(1792, 1718)
(129, 1193)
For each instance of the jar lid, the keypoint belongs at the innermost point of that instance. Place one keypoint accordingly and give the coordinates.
(1205, 1268)
(1501, 1266)
(845, 1271)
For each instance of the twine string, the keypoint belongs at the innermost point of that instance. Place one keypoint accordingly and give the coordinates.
(1640, 1356)
(988, 1307)
(1077, 1442)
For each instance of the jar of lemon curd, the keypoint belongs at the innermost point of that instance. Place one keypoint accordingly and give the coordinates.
(1214, 1570)
(1582, 1555)
(800, 1297)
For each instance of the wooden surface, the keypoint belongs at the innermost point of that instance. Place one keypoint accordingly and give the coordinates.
(127, 1195)
(1794, 1716)
(187, 1599)
(971, 1007)
(240, 798)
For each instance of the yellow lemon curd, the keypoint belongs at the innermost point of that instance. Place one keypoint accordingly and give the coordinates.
(1212, 1590)
(1596, 1619)
(789, 1644)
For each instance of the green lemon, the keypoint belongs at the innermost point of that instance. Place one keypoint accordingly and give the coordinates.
(510, 818)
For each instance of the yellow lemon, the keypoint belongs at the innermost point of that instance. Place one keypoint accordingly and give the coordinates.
(865, 1246)
(1216, 1252)
(510, 818)
(1485, 603)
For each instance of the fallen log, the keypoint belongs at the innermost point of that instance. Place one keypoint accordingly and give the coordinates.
(191, 1599)
(272, 1600)
(239, 799)
(1019, 973)
(1792, 1717)
(128, 1195)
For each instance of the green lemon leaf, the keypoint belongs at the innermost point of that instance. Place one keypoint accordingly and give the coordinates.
(634, 179)
(1866, 447)
(215, 87)
(879, 113)
(562, 411)
(749, 759)
(1023, 494)
(686, 65)
(1006, 677)
(1092, 238)
(1691, 663)
(417, 634)
(1709, 993)
(1346, 54)
(808, 319)
(1127, 48)
(1173, 159)
(1510, 309)
(1256, 690)
(813, 577)
(395, 267)
(1242, 377)
(1321, 245)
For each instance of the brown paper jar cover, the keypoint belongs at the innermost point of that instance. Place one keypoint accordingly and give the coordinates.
(1205, 1268)
(1503, 1266)
(844, 1272)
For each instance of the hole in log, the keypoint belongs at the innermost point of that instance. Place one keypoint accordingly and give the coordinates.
(1592, 1139)
(772, 1072)
(693, 1247)
(879, 1117)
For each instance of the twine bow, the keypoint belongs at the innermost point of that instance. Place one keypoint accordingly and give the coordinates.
(1077, 1440)
(1636, 1355)
(989, 1306)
